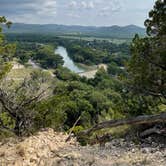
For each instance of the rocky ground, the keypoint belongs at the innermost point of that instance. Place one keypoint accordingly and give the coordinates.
(48, 148)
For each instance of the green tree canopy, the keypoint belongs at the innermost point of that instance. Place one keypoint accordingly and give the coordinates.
(6, 50)
(147, 67)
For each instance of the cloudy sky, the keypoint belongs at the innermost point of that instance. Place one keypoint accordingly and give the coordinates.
(77, 12)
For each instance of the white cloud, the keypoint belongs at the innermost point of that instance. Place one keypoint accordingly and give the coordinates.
(110, 7)
(67, 11)
(91, 4)
(105, 11)
(73, 4)
(87, 5)
(84, 4)
(116, 5)
(48, 7)
(81, 4)
(73, 15)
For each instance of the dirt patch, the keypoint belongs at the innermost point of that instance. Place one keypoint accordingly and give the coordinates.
(92, 73)
(48, 148)
(17, 66)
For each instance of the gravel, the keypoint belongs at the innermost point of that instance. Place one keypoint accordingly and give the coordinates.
(48, 148)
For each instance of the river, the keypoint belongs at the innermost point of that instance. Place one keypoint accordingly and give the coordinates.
(68, 62)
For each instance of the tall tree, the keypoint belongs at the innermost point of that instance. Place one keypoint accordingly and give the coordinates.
(6, 50)
(17, 101)
(156, 25)
(147, 67)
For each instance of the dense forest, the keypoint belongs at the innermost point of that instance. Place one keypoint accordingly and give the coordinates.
(134, 84)
(80, 51)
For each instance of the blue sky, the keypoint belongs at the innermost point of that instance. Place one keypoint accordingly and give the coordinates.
(77, 12)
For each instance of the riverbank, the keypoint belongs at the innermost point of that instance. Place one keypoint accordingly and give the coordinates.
(87, 67)
(68, 62)
(91, 73)
(79, 68)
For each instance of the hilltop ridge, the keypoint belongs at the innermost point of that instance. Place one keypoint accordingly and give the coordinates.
(114, 31)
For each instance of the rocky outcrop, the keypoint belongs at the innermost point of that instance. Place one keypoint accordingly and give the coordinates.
(49, 148)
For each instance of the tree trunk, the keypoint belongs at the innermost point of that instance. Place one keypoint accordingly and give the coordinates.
(17, 128)
(146, 119)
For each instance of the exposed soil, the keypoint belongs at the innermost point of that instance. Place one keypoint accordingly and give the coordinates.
(48, 148)
(92, 73)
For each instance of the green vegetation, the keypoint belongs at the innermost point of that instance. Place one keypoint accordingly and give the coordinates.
(96, 52)
(41, 100)
(87, 55)
(90, 39)
(81, 51)
(147, 67)
(44, 55)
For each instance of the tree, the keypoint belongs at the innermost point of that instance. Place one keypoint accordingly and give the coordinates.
(6, 50)
(156, 23)
(18, 102)
(147, 67)
(147, 73)
(146, 119)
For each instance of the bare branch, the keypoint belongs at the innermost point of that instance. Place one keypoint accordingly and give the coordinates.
(146, 119)
(32, 100)
(5, 105)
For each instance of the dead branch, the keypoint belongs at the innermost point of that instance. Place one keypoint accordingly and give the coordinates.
(30, 101)
(146, 119)
(153, 130)
(68, 138)
(4, 102)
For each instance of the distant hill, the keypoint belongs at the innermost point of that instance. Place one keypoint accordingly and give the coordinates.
(112, 31)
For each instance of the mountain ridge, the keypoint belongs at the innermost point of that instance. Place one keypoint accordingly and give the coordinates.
(114, 31)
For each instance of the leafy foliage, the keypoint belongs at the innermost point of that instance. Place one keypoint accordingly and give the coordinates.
(46, 57)
(81, 51)
(42, 54)
(29, 105)
(147, 65)
(6, 50)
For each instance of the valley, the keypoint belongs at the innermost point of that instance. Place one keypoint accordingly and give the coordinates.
(81, 84)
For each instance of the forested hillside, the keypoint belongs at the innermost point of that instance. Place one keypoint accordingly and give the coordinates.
(130, 93)
(111, 32)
